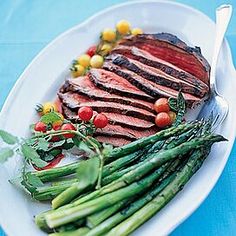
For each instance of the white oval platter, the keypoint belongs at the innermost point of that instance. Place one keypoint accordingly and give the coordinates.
(42, 78)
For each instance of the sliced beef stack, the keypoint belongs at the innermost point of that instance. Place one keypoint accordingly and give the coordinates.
(139, 70)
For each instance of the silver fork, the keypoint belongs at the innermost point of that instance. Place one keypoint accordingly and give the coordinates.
(216, 106)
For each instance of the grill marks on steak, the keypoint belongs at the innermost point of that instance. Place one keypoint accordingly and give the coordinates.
(113, 83)
(170, 48)
(84, 86)
(147, 86)
(168, 68)
(75, 101)
(156, 75)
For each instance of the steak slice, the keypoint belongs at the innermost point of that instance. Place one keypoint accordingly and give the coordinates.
(128, 121)
(75, 101)
(123, 132)
(114, 119)
(170, 48)
(148, 59)
(116, 84)
(116, 142)
(84, 86)
(156, 75)
(147, 86)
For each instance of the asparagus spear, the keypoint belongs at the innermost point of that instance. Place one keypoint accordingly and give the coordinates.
(64, 181)
(98, 217)
(54, 173)
(49, 192)
(114, 220)
(58, 218)
(71, 213)
(122, 162)
(145, 213)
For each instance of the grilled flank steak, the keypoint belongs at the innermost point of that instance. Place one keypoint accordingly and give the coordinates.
(138, 71)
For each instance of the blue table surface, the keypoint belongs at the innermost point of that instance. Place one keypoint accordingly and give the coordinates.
(23, 34)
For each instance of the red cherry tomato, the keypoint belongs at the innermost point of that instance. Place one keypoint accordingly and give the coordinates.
(40, 127)
(92, 50)
(85, 113)
(51, 164)
(162, 105)
(100, 121)
(56, 126)
(68, 127)
(163, 119)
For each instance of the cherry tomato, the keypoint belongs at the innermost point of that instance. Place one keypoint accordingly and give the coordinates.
(92, 50)
(172, 116)
(56, 126)
(123, 27)
(162, 105)
(85, 113)
(162, 120)
(100, 121)
(51, 164)
(68, 127)
(40, 127)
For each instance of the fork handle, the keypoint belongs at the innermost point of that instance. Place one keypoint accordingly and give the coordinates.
(223, 15)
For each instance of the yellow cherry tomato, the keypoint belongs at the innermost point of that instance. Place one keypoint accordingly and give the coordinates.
(123, 27)
(96, 61)
(108, 35)
(105, 49)
(78, 70)
(136, 31)
(84, 60)
(48, 107)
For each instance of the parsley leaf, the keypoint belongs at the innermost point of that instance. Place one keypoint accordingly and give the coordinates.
(5, 153)
(32, 156)
(31, 182)
(87, 172)
(50, 117)
(8, 138)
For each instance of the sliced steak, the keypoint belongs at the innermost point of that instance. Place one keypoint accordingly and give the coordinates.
(156, 75)
(114, 119)
(166, 67)
(75, 101)
(116, 84)
(148, 86)
(116, 142)
(114, 130)
(84, 86)
(170, 48)
(123, 132)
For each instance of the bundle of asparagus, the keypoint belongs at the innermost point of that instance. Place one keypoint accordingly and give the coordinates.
(138, 180)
